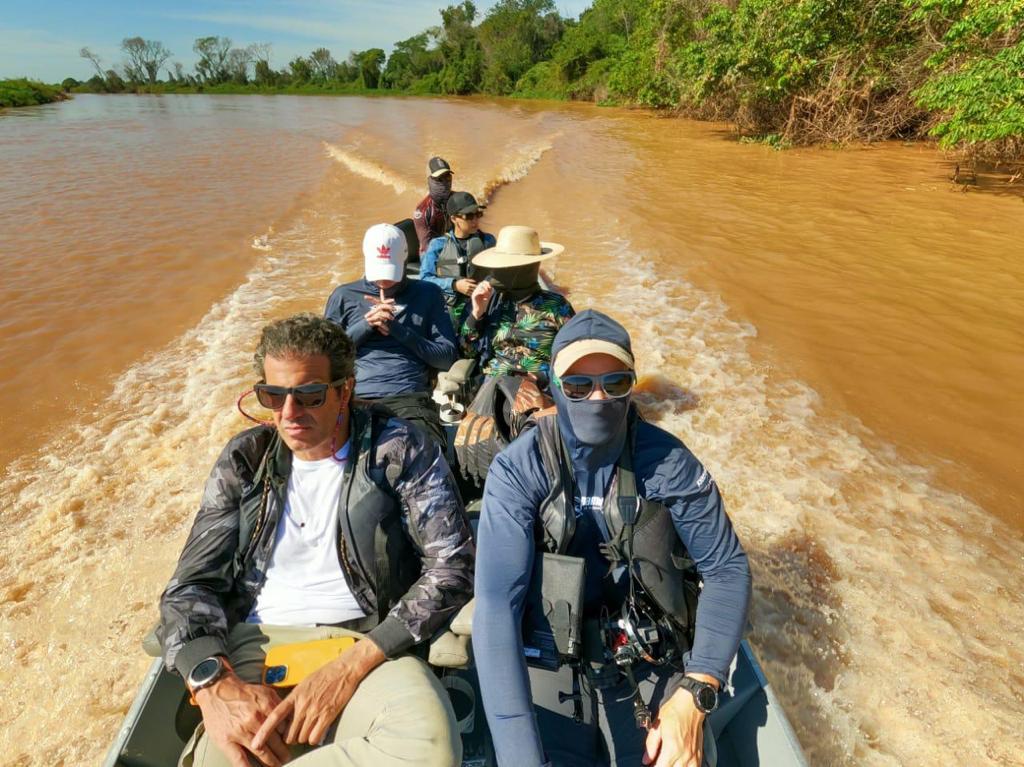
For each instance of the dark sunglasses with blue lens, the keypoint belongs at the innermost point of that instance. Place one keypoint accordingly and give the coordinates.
(615, 385)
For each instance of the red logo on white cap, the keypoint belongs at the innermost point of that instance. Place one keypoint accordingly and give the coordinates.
(384, 253)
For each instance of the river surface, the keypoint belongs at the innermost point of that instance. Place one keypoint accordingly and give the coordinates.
(839, 336)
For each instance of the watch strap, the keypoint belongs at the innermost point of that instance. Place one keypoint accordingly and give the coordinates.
(694, 687)
(193, 688)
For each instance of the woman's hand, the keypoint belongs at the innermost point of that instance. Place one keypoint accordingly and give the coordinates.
(480, 297)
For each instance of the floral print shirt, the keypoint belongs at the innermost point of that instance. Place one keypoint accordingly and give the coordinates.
(515, 337)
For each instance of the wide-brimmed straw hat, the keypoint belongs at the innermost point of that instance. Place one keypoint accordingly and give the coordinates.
(516, 246)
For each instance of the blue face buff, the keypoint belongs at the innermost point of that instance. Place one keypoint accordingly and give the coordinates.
(597, 422)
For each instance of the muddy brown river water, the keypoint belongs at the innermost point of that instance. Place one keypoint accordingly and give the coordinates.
(839, 336)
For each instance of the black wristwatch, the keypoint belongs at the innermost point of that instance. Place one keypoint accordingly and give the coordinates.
(704, 694)
(205, 673)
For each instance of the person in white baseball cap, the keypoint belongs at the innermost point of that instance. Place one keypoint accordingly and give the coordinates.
(400, 328)
(384, 252)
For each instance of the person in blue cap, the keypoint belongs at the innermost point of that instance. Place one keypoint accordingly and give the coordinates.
(596, 482)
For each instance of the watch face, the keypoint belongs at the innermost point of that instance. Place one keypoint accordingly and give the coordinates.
(707, 698)
(204, 671)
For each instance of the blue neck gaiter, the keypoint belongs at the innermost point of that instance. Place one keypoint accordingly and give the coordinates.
(594, 432)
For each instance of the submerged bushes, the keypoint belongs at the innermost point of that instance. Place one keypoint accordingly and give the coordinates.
(23, 93)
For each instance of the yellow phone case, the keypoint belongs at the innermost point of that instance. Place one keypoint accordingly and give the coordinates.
(288, 664)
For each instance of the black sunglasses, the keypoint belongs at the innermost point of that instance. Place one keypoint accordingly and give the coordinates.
(308, 395)
(615, 385)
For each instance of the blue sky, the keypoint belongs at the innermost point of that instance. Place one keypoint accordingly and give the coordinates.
(41, 40)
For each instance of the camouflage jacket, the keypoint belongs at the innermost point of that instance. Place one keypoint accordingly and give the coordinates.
(515, 336)
(219, 574)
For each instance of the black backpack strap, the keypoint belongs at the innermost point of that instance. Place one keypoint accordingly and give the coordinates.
(555, 537)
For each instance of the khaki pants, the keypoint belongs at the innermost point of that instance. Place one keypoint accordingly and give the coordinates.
(400, 715)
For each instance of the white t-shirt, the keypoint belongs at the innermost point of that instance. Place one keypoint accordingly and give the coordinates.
(304, 585)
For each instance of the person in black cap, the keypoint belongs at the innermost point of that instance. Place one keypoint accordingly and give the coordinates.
(595, 482)
(446, 262)
(431, 215)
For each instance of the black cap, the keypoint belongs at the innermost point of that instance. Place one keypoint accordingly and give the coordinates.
(462, 202)
(438, 166)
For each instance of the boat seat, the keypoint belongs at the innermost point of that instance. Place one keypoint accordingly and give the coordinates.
(453, 379)
(462, 623)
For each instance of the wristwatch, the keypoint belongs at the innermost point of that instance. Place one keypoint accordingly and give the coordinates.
(205, 673)
(704, 694)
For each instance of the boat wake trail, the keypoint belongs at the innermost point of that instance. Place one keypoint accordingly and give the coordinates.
(366, 168)
(517, 168)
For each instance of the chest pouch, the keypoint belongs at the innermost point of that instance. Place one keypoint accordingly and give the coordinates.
(553, 614)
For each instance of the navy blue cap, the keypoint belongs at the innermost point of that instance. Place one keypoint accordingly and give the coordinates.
(590, 332)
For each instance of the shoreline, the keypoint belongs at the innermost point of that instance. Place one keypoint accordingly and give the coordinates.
(968, 172)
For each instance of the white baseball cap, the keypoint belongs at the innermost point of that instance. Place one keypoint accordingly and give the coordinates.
(384, 251)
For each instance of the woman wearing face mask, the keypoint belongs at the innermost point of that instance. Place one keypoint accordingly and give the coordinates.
(512, 320)
(596, 483)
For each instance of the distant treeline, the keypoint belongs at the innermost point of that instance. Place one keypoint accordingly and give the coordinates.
(784, 71)
(24, 93)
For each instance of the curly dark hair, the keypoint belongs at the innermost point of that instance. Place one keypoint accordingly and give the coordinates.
(306, 335)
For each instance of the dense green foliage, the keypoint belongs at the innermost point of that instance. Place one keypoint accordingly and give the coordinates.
(977, 79)
(783, 71)
(24, 93)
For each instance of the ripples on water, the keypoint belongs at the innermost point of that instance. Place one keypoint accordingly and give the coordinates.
(887, 609)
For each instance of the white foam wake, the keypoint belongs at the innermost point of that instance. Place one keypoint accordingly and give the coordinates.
(517, 168)
(368, 169)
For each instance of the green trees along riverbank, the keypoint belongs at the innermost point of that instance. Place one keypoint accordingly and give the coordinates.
(783, 71)
(23, 93)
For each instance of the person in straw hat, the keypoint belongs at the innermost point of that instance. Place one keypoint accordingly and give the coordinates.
(513, 320)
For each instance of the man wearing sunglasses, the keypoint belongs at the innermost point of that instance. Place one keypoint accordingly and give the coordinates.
(447, 260)
(335, 521)
(400, 328)
(595, 482)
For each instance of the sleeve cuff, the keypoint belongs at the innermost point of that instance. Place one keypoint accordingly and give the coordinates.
(197, 650)
(392, 637)
(700, 668)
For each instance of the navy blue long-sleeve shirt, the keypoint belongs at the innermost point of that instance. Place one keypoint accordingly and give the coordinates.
(421, 337)
(667, 472)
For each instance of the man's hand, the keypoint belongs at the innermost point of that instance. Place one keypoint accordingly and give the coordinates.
(465, 286)
(481, 295)
(233, 711)
(319, 699)
(380, 315)
(677, 737)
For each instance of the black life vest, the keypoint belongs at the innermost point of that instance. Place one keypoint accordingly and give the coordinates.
(370, 534)
(452, 261)
(662, 565)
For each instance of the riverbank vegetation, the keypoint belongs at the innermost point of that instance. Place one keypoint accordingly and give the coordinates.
(786, 72)
(24, 93)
